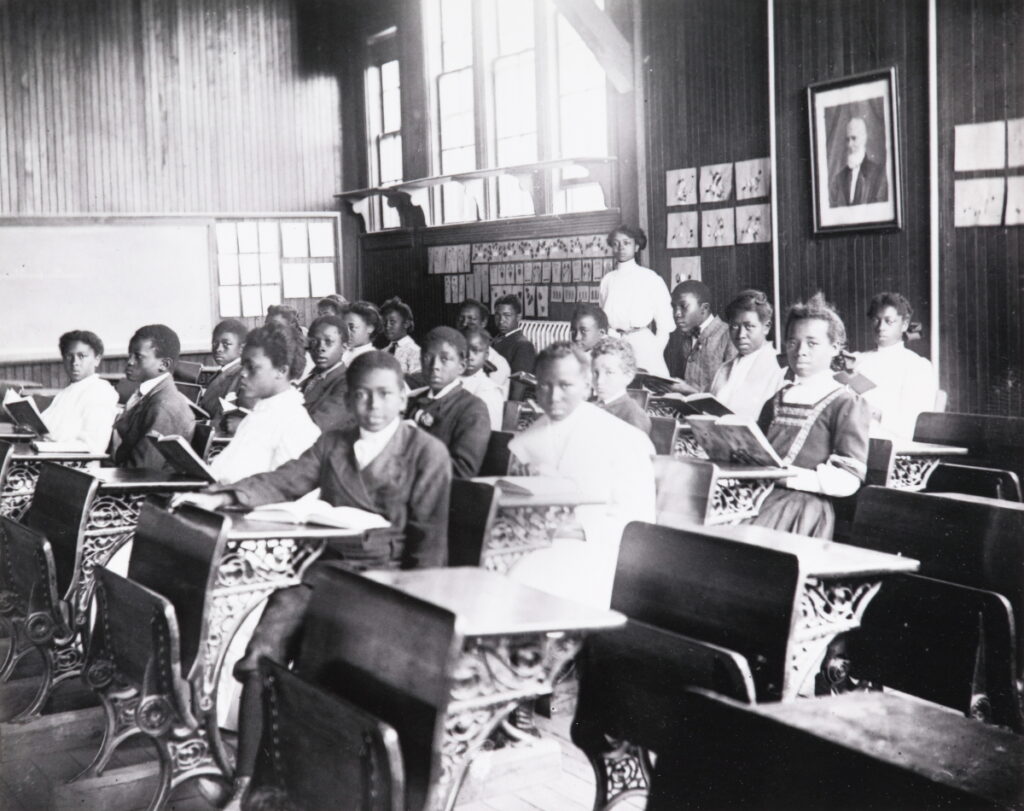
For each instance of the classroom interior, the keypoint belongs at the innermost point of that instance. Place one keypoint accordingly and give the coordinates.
(187, 161)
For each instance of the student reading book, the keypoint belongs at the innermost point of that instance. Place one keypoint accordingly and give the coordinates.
(614, 366)
(182, 456)
(25, 414)
(685, 406)
(278, 428)
(733, 440)
(157, 405)
(385, 466)
(818, 427)
(82, 415)
(700, 343)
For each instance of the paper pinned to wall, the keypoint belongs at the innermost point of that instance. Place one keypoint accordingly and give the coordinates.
(295, 280)
(270, 268)
(269, 237)
(979, 146)
(753, 224)
(542, 302)
(1015, 200)
(229, 304)
(321, 239)
(227, 241)
(685, 267)
(227, 268)
(321, 279)
(294, 244)
(753, 178)
(271, 296)
(719, 228)
(1015, 142)
(715, 183)
(248, 238)
(681, 187)
(252, 305)
(978, 202)
(249, 268)
(681, 229)
(530, 301)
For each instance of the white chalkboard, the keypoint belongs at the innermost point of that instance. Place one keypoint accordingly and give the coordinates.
(110, 276)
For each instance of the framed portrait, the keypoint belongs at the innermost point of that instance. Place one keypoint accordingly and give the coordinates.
(855, 161)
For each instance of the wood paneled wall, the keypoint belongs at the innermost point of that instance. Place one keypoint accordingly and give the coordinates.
(817, 40)
(144, 106)
(707, 102)
(981, 78)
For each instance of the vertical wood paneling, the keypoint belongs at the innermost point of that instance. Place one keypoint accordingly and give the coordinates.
(817, 40)
(980, 78)
(152, 106)
(707, 102)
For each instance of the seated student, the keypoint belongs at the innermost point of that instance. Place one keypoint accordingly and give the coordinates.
(475, 381)
(157, 405)
(614, 366)
(609, 460)
(324, 388)
(817, 425)
(511, 344)
(385, 466)
(228, 337)
(700, 343)
(334, 304)
(362, 325)
(398, 323)
(905, 383)
(589, 325)
(744, 383)
(83, 413)
(447, 411)
(283, 315)
(279, 428)
(473, 313)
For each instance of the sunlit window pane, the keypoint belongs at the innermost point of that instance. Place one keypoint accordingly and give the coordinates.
(515, 95)
(389, 75)
(512, 200)
(583, 124)
(458, 160)
(456, 34)
(390, 152)
(518, 149)
(373, 121)
(391, 101)
(585, 197)
(515, 25)
(455, 91)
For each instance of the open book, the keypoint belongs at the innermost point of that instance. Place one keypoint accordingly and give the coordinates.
(686, 406)
(317, 511)
(654, 383)
(524, 377)
(24, 413)
(176, 450)
(734, 440)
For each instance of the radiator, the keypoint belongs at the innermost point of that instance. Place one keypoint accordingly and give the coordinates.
(544, 333)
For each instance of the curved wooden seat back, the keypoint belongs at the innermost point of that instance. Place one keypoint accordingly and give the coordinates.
(986, 482)
(977, 542)
(684, 490)
(996, 442)
(60, 511)
(942, 642)
(497, 457)
(136, 643)
(187, 371)
(517, 416)
(319, 748)
(202, 438)
(631, 681)
(176, 554)
(663, 434)
(471, 514)
(192, 391)
(28, 581)
(6, 454)
(639, 396)
(737, 595)
(388, 653)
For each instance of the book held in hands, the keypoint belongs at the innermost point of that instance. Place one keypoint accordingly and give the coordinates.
(317, 511)
(24, 413)
(182, 457)
(734, 440)
(681, 407)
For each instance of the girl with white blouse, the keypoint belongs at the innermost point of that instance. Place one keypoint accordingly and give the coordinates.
(82, 414)
(635, 298)
(905, 383)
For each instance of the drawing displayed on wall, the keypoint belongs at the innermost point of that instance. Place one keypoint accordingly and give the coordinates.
(681, 187)
(1014, 201)
(715, 183)
(854, 136)
(753, 178)
(978, 201)
(718, 228)
(685, 267)
(542, 302)
(979, 146)
(681, 229)
(753, 224)
(1015, 142)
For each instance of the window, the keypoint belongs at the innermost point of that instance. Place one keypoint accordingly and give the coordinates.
(513, 83)
(384, 120)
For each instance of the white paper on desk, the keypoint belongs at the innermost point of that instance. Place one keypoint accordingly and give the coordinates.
(248, 239)
(1015, 142)
(229, 306)
(269, 240)
(227, 268)
(227, 241)
(293, 240)
(979, 146)
(321, 279)
(249, 268)
(295, 279)
(321, 239)
(1014, 201)
(978, 201)
(270, 268)
(252, 304)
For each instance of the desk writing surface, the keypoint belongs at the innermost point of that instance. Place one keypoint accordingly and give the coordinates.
(545, 490)
(752, 472)
(490, 604)
(113, 479)
(905, 447)
(818, 558)
(243, 528)
(9, 432)
(1001, 503)
(27, 453)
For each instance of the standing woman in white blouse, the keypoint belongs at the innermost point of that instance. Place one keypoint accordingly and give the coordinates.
(635, 298)
(82, 414)
(905, 383)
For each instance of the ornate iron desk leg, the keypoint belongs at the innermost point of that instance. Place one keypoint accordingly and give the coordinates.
(495, 675)
(621, 771)
(250, 571)
(827, 609)
(17, 491)
(912, 472)
(518, 531)
(735, 500)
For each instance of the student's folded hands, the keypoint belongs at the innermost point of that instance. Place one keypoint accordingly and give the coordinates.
(215, 497)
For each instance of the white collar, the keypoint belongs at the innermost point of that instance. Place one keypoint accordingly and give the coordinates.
(819, 380)
(283, 399)
(616, 398)
(896, 347)
(371, 444)
(148, 385)
(706, 323)
(511, 332)
(630, 265)
(231, 364)
(354, 352)
(85, 380)
(317, 373)
(446, 390)
(382, 436)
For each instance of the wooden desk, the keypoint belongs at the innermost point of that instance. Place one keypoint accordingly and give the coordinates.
(20, 483)
(915, 462)
(9, 432)
(524, 524)
(13, 383)
(517, 640)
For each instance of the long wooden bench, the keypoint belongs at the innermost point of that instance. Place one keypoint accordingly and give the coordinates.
(856, 751)
(991, 441)
(987, 482)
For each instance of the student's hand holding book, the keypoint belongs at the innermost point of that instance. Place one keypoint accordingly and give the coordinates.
(214, 497)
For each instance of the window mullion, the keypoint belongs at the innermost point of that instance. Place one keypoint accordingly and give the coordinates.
(546, 63)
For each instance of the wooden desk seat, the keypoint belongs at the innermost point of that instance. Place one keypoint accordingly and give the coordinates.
(392, 655)
(192, 391)
(663, 434)
(187, 371)
(994, 442)
(497, 458)
(850, 752)
(323, 748)
(471, 514)
(145, 645)
(942, 642)
(518, 416)
(970, 480)
(969, 540)
(202, 439)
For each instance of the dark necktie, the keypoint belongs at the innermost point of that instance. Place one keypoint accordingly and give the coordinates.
(393, 347)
